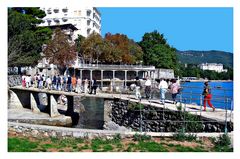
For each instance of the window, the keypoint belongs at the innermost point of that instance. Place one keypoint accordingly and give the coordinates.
(89, 13)
(88, 22)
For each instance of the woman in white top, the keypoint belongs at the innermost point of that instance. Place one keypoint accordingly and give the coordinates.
(163, 86)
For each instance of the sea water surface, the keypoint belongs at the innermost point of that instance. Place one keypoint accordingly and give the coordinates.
(222, 93)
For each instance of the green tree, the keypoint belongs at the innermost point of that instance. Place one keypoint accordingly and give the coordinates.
(60, 51)
(157, 51)
(25, 39)
(78, 43)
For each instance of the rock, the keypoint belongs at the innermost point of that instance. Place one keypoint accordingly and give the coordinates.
(45, 134)
(214, 128)
(34, 133)
(53, 134)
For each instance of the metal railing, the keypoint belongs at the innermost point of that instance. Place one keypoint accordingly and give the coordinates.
(185, 98)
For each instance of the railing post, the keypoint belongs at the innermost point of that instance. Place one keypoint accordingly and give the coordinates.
(140, 116)
(201, 104)
(184, 118)
(226, 117)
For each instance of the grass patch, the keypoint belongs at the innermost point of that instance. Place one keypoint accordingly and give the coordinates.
(139, 137)
(107, 148)
(151, 147)
(21, 145)
(142, 143)
(180, 148)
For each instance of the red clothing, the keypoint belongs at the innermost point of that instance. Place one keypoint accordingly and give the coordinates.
(207, 98)
(24, 83)
(74, 81)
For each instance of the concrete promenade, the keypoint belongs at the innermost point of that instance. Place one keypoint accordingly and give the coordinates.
(218, 115)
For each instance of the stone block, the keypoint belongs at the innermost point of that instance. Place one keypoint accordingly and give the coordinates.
(34, 106)
(53, 107)
(13, 101)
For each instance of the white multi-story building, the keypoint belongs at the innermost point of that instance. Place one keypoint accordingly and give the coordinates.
(86, 20)
(213, 67)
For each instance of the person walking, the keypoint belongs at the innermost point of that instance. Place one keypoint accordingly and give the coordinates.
(85, 85)
(69, 83)
(79, 85)
(58, 81)
(40, 82)
(148, 84)
(49, 83)
(207, 96)
(64, 83)
(28, 81)
(94, 86)
(23, 81)
(74, 82)
(163, 86)
(44, 81)
(54, 82)
(35, 81)
(174, 90)
(138, 88)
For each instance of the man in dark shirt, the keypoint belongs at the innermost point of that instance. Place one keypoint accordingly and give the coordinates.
(69, 83)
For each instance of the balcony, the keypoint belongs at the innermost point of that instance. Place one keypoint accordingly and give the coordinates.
(56, 10)
(88, 22)
(89, 12)
(65, 10)
(56, 20)
(49, 11)
(64, 19)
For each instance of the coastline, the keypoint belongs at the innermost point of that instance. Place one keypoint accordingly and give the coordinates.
(206, 80)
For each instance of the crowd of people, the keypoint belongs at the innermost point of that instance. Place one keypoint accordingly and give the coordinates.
(62, 83)
(173, 87)
(164, 86)
(76, 84)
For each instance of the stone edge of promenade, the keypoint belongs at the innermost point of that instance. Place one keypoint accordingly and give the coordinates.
(52, 131)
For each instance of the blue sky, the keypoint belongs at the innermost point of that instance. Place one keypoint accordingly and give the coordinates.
(184, 28)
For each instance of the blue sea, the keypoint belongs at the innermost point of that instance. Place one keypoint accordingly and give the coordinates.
(222, 93)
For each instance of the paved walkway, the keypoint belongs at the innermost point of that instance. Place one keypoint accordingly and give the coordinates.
(219, 114)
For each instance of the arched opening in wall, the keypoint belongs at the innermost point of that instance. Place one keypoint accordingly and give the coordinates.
(62, 104)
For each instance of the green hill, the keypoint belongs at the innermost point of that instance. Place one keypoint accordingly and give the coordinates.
(213, 56)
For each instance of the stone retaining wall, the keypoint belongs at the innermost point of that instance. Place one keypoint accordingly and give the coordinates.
(155, 119)
(14, 80)
(60, 132)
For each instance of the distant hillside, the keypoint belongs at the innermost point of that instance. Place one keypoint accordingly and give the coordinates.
(197, 57)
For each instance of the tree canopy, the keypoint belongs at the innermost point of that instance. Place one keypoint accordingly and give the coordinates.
(110, 49)
(59, 50)
(157, 51)
(25, 39)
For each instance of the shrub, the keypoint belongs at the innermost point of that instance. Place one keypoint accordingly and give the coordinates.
(223, 144)
(135, 106)
(139, 137)
(181, 136)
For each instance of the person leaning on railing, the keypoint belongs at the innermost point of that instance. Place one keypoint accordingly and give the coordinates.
(207, 96)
